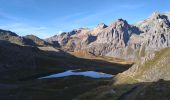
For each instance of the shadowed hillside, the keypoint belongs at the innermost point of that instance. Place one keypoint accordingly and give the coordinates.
(37, 61)
(21, 66)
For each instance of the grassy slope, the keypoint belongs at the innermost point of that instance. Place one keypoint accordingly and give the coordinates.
(148, 66)
(155, 64)
(129, 88)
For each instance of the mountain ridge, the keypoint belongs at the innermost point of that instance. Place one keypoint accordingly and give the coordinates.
(119, 39)
(29, 40)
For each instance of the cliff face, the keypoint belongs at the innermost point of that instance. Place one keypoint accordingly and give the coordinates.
(119, 39)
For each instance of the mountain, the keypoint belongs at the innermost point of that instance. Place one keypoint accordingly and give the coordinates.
(155, 36)
(155, 53)
(29, 40)
(100, 40)
(119, 39)
(113, 38)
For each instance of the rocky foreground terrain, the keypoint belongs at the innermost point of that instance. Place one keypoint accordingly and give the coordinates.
(144, 74)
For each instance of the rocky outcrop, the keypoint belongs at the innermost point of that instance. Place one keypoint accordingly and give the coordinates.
(157, 31)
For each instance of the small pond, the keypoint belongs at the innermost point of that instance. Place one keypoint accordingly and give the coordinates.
(92, 74)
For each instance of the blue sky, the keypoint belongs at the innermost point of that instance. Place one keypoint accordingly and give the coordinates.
(45, 18)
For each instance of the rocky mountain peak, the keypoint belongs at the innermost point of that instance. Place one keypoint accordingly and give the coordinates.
(119, 23)
(121, 20)
(116, 35)
(155, 22)
(155, 15)
(101, 26)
